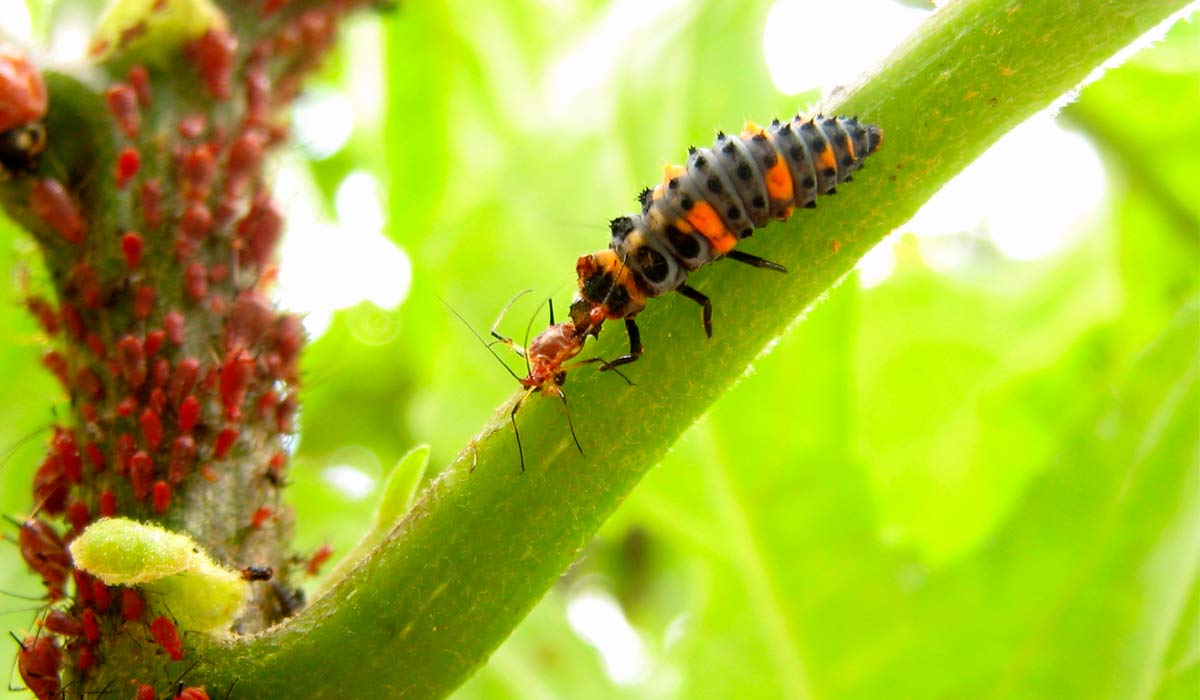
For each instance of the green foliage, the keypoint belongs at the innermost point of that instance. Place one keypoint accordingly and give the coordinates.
(946, 485)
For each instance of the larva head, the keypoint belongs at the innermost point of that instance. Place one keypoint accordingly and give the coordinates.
(608, 288)
(22, 106)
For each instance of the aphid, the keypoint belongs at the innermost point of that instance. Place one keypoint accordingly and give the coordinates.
(183, 448)
(123, 103)
(192, 693)
(173, 325)
(313, 566)
(129, 161)
(189, 413)
(213, 55)
(107, 503)
(151, 201)
(131, 356)
(195, 281)
(161, 497)
(101, 598)
(702, 210)
(143, 302)
(258, 573)
(132, 605)
(51, 201)
(38, 661)
(546, 359)
(77, 514)
(141, 474)
(63, 623)
(22, 107)
(224, 442)
(167, 636)
(44, 312)
(44, 551)
(91, 626)
(261, 516)
(139, 78)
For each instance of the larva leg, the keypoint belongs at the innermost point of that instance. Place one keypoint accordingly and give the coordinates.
(702, 301)
(755, 261)
(635, 347)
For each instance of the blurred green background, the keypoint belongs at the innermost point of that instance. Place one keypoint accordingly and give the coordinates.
(972, 470)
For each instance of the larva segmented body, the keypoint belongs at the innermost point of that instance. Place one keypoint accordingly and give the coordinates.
(700, 211)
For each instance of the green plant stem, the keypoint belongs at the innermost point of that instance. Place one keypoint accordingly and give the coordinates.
(481, 547)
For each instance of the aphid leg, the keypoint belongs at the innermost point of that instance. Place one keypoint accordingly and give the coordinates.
(702, 301)
(635, 347)
(755, 261)
(571, 425)
(513, 417)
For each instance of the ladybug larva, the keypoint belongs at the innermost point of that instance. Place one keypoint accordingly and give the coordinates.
(701, 210)
(22, 106)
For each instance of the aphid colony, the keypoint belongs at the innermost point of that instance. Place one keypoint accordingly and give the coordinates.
(179, 369)
(697, 214)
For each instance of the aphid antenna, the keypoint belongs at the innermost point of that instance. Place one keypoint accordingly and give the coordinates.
(521, 351)
(571, 425)
(13, 666)
(108, 688)
(11, 451)
(22, 596)
(478, 337)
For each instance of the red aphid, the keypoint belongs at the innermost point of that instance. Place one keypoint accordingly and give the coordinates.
(22, 91)
(72, 321)
(272, 6)
(152, 203)
(85, 658)
(199, 167)
(249, 319)
(77, 514)
(126, 446)
(91, 626)
(62, 623)
(95, 456)
(51, 488)
(157, 401)
(285, 413)
(195, 282)
(101, 598)
(183, 450)
(95, 344)
(173, 325)
(44, 313)
(261, 516)
(186, 373)
(167, 636)
(57, 364)
(192, 126)
(154, 341)
(132, 247)
(258, 96)
(318, 559)
(189, 413)
(224, 442)
(43, 550)
(236, 372)
(132, 605)
(192, 693)
(160, 372)
(107, 504)
(84, 281)
(213, 55)
(161, 498)
(38, 661)
(123, 103)
(129, 162)
(51, 201)
(259, 230)
(141, 474)
(127, 407)
(152, 431)
(89, 412)
(83, 587)
(89, 384)
(131, 357)
(196, 221)
(143, 302)
(145, 692)
(245, 155)
(67, 451)
(140, 80)
(266, 404)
